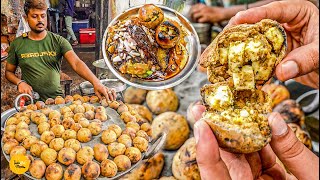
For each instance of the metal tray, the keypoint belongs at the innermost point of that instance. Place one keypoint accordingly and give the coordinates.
(114, 118)
(193, 48)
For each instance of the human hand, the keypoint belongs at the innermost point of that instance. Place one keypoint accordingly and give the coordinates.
(24, 87)
(215, 162)
(300, 19)
(206, 14)
(100, 90)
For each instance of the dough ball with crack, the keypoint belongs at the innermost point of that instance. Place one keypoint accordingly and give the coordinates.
(160, 101)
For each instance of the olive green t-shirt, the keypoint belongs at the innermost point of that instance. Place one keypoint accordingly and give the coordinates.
(40, 62)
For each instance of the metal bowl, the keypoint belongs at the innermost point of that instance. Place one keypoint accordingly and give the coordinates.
(193, 47)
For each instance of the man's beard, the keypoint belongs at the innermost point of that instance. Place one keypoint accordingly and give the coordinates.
(36, 30)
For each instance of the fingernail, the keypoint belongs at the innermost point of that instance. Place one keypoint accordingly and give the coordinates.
(278, 125)
(289, 69)
(197, 129)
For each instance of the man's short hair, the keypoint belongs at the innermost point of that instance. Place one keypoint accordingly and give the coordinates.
(35, 4)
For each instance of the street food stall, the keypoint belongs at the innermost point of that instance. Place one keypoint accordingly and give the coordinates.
(149, 52)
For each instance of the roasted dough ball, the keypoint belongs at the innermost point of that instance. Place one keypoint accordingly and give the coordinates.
(142, 111)
(78, 116)
(9, 145)
(7, 135)
(134, 95)
(66, 156)
(47, 136)
(28, 113)
(123, 162)
(115, 128)
(76, 127)
(26, 119)
(73, 172)
(85, 154)
(127, 117)
(162, 101)
(125, 139)
(86, 99)
(38, 118)
(291, 112)
(72, 143)
(108, 136)
(57, 144)
(37, 148)
(76, 97)
(122, 108)
(100, 109)
(148, 170)
(89, 115)
(69, 134)
(101, 116)
(54, 114)
(79, 109)
(133, 125)
(59, 100)
(88, 107)
(22, 125)
(95, 128)
(130, 132)
(49, 156)
(133, 154)
(168, 34)
(57, 130)
(32, 107)
(94, 99)
(54, 121)
(46, 111)
(142, 134)
(44, 126)
(54, 172)
(100, 152)
(10, 128)
(12, 121)
(18, 150)
(37, 168)
(90, 170)
(184, 164)
(301, 134)
(167, 178)
(21, 134)
(68, 115)
(68, 99)
(40, 105)
(278, 93)
(150, 16)
(175, 125)
(67, 122)
(29, 141)
(65, 109)
(77, 102)
(49, 101)
(237, 118)
(84, 122)
(114, 105)
(140, 143)
(116, 149)
(84, 135)
(108, 168)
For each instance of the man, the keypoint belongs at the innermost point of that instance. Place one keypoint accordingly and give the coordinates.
(39, 54)
(301, 22)
(68, 13)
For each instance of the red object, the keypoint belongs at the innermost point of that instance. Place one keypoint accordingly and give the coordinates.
(22, 102)
(87, 36)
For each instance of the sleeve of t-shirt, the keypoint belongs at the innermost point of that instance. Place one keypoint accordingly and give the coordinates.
(65, 46)
(12, 58)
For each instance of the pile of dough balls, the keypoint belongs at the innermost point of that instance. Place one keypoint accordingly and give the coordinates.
(57, 151)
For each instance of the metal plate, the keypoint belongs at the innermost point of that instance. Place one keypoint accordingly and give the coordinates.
(193, 48)
(114, 118)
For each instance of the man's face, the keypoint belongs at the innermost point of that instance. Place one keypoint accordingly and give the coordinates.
(37, 20)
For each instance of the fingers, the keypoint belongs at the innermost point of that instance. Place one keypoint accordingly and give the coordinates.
(98, 94)
(291, 151)
(298, 62)
(112, 94)
(196, 11)
(197, 111)
(282, 12)
(208, 156)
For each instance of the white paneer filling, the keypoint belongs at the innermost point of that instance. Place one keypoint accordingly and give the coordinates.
(220, 98)
(275, 36)
(244, 79)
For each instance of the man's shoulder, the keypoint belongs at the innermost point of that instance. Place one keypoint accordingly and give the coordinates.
(54, 35)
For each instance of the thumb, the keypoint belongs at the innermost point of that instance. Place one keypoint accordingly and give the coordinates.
(197, 110)
(298, 62)
(291, 151)
(208, 155)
